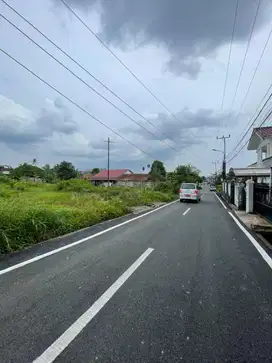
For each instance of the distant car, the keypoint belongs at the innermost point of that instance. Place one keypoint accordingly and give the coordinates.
(212, 188)
(190, 191)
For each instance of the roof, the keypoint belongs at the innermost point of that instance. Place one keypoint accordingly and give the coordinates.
(264, 132)
(87, 176)
(114, 174)
(242, 172)
(252, 165)
(258, 134)
(134, 177)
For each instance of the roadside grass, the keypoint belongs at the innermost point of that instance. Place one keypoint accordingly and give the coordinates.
(34, 212)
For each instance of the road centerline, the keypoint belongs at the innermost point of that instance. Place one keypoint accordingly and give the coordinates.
(56, 348)
(187, 210)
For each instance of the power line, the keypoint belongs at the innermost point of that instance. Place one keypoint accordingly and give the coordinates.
(250, 84)
(238, 152)
(82, 67)
(256, 69)
(245, 56)
(230, 51)
(74, 103)
(249, 125)
(254, 74)
(89, 86)
(124, 65)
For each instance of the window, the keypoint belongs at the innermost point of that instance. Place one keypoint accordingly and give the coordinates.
(188, 186)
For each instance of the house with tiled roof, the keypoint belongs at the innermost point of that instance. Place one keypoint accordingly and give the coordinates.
(119, 177)
(101, 178)
(261, 142)
(132, 180)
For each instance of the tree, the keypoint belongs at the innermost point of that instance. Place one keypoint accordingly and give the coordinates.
(34, 161)
(65, 170)
(95, 171)
(26, 171)
(183, 174)
(158, 170)
(49, 174)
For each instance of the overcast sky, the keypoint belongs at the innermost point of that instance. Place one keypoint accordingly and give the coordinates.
(179, 49)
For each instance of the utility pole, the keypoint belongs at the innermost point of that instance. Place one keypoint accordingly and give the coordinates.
(224, 158)
(109, 142)
(215, 169)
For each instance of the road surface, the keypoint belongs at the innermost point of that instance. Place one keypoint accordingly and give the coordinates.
(174, 285)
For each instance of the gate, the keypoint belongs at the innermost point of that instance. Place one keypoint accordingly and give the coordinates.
(263, 200)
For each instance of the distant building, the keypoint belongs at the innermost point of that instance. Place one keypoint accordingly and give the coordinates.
(101, 178)
(135, 180)
(5, 169)
(119, 177)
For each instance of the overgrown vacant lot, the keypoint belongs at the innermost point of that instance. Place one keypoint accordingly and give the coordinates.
(33, 212)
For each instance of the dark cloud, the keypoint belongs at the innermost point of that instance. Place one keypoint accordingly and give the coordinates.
(189, 30)
(19, 127)
(180, 132)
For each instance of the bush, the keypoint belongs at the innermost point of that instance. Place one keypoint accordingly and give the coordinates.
(219, 188)
(5, 179)
(31, 213)
(74, 185)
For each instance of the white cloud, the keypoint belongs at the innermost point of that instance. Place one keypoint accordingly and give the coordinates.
(35, 124)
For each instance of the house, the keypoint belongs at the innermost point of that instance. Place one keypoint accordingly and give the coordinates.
(5, 169)
(261, 141)
(134, 180)
(101, 178)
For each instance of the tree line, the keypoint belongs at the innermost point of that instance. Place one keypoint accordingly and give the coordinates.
(66, 170)
(172, 180)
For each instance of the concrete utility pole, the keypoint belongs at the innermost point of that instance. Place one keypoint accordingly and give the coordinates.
(109, 142)
(215, 169)
(224, 158)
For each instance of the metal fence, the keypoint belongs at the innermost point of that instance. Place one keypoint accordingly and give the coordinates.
(263, 200)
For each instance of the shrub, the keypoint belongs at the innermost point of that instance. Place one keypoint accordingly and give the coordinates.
(74, 185)
(31, 213)
(5, 179)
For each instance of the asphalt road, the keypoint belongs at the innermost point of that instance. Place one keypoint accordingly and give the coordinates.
(173, 285)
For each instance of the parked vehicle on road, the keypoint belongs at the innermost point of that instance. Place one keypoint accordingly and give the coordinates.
(190, 191)
(212, 188)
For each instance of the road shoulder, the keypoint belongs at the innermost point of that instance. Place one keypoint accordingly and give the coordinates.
(60, 242)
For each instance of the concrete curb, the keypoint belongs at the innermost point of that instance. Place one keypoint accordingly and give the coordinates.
(259, 238)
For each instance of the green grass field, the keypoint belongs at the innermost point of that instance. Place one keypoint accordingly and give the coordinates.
(31, 213)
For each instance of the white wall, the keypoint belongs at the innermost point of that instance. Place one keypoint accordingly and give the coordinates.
(268, 144)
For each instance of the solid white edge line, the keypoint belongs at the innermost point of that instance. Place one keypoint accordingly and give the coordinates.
(187, 210)
(220, 200)
(55, 349)
(255, 243)
(57, 250)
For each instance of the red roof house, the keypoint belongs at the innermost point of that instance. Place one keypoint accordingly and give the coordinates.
(114, 175)
(135, 177)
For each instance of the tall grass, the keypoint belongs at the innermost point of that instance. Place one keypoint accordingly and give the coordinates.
(31, 213)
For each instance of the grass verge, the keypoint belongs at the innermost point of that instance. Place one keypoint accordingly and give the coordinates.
(31, 213)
